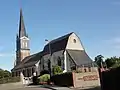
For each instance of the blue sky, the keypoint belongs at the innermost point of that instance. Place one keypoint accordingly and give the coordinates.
(96, 22)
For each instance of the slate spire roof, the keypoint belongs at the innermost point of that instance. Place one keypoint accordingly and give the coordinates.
(22, 31)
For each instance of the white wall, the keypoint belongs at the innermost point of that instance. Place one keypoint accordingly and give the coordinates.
(72, 45)
(65, 62)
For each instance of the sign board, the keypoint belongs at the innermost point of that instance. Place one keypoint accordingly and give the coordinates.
(86, 79)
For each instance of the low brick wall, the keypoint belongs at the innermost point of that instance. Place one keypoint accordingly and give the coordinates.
(87, 79)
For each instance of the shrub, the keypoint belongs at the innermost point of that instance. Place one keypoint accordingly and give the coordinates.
(57, 70)
(44, 78)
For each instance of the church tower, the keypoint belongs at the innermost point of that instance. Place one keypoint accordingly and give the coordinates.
(22, 42)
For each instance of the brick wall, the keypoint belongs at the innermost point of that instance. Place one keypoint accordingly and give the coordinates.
(86, 79)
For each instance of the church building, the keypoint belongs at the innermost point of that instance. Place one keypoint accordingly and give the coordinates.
(66, 51)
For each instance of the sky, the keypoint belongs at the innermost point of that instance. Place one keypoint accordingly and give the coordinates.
(96, 22)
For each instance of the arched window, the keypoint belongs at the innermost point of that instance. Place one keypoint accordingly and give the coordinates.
(26, 44)
(32, 70)
(43, 66)
(24, 72)
(49, 64)
(74, 40)
(59, 61)
(23, 44)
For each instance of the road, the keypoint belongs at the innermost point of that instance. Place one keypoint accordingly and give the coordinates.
(19, 86)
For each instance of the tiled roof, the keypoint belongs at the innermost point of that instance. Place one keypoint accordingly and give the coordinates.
(80, 57)
(29, 61)
(57, 44)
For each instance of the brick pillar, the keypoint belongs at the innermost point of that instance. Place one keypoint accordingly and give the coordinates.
(74, 79)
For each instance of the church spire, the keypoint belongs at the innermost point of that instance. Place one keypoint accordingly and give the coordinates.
(22, 44)
(22, 31)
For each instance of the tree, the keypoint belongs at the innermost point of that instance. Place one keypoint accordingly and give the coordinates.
(99, 60)
(7, 73)
(1, 73)
(113, 62)
(6, 77)
(4, 73)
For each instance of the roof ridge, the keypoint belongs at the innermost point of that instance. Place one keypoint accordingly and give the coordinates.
(60, 37)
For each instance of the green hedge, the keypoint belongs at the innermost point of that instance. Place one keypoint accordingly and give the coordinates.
(64, 79)
(9, 80)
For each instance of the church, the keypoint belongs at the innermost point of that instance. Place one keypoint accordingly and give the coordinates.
(66, 51)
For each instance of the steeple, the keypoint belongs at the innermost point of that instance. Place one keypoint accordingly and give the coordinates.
(22, 31)
(22, 42)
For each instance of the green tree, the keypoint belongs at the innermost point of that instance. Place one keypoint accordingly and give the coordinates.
(7, 73)
(1, 73)
(4, 73)
(113, 62)
(99, 61)
(6, 77)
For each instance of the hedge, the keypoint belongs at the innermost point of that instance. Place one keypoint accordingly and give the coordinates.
(9, 80)
(64, 79)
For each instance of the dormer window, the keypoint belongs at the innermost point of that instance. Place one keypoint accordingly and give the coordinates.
(74, 40)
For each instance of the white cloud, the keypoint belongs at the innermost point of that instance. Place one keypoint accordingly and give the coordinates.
(6, 55)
